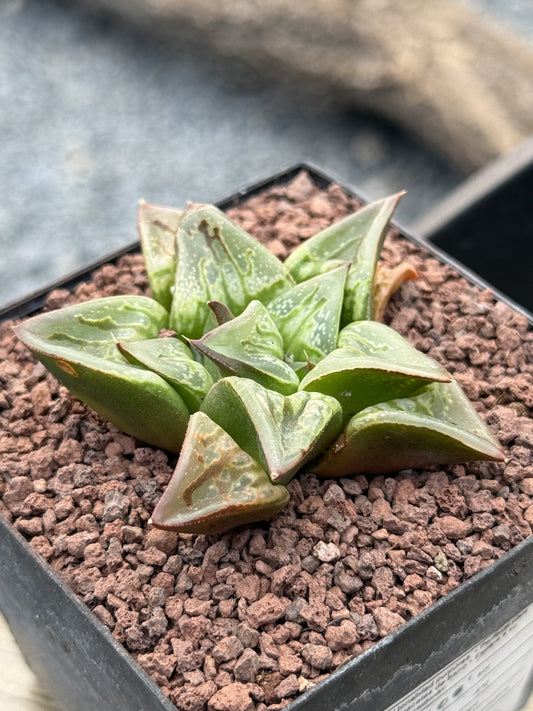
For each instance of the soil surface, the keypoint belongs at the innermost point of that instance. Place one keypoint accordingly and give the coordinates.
(248, 620)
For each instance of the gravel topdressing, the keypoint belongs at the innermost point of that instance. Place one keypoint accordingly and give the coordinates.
(248, 620)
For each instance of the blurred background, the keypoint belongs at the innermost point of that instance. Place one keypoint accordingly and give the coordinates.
(105, 102)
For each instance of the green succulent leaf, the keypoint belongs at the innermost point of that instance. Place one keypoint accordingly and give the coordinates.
(78, 346)
(158, 227)
(308, 317)
(174, 362)
(356, 240)
(358, 300)
(250, 346)
(339, 243)
(373, 364)
(216, 485)
(94, 327)
(280, 432)
(437, 426)
(219, 261)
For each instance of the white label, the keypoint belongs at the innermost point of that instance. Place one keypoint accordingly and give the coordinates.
(491, 675)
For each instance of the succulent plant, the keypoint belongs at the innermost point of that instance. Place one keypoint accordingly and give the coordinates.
(252, 368)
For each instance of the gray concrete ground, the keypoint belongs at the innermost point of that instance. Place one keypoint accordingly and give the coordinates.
(94, 116)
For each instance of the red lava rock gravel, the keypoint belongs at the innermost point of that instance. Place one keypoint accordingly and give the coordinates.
(247, 620)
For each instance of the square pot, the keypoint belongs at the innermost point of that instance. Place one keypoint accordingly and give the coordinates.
(471, 649)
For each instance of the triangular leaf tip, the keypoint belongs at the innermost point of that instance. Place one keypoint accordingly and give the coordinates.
(216, 485)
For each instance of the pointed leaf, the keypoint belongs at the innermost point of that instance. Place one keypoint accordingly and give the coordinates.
(358, 300)
(282, 433)
(308, 316)
(174, 362)
(340, 243)
(216, 485)
(219, 261)
(220, 311)
(439, 425)
(250, 346)
(373, 364)
(157, 230)
(78, 346)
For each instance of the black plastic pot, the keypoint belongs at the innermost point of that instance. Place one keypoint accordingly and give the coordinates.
(487, 224)
(471, 651)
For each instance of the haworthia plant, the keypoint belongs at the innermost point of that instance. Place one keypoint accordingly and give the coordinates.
(252, 368)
